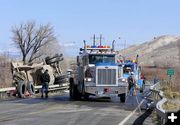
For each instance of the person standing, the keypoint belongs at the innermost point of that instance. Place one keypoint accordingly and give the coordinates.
(131, 83)
(45, 79)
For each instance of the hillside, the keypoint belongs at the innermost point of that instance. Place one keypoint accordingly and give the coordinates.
(163, 51)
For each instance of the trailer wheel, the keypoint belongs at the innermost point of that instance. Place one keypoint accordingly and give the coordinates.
(21, 89)
(122, 97)
(60, 79)
(30, 88)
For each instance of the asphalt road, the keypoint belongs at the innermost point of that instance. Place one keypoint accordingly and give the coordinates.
(60, 110)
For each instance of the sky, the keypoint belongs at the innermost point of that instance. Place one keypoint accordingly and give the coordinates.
(133, 21)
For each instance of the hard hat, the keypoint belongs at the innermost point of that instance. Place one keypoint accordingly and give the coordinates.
(134, 61)
(132, 73)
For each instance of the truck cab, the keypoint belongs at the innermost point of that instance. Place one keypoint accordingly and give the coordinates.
(97, 74)
(132, 66)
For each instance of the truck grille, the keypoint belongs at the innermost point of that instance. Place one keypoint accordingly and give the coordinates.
(106, 76)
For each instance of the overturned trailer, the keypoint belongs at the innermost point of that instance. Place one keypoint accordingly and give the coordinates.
(25, 77)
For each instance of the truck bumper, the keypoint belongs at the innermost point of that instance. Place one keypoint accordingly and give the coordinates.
(102, 91)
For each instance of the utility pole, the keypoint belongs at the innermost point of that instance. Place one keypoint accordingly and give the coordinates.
(124, 46)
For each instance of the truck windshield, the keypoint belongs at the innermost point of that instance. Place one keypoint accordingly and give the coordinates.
(94, 59)
(128, 68)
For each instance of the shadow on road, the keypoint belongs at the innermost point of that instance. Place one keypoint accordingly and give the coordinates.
(93, 102)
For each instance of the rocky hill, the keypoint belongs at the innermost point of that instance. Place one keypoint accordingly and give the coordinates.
(163, 51)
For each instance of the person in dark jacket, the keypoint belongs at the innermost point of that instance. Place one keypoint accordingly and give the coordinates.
(131, 83)
(45, 79)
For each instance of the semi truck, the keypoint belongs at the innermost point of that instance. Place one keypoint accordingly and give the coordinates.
(130, 66)
(97, 73)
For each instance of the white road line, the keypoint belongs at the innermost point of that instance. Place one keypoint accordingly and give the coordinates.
(129, 116)
(74, 110)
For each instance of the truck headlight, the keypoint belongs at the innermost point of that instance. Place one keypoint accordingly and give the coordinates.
(123, 79)
(88, 79)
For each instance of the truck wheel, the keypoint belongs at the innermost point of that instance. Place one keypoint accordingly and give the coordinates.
(30, 88)
(21, 89)
(70, 91)
(74, 93)
(71, 81)
(86, 96)
(122, 97)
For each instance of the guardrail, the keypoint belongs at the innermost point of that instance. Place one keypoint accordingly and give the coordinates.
(2, 90)
(159, 97)
(5, 91)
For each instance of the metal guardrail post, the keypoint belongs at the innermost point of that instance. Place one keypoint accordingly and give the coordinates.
(159, 95)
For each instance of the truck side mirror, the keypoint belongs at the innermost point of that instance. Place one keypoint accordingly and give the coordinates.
(81, 49)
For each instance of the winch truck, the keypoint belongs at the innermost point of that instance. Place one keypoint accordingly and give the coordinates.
(97, 74)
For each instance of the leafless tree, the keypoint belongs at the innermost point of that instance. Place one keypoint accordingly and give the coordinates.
(50, 49)
(30, 38)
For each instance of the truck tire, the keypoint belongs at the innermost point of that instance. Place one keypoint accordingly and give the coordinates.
(86, 96)
(61, 77)
(21, 89)
(30, 88)
(74, 93)
(71, 88)
(122, 97)
(60, 81)
(54, 60)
